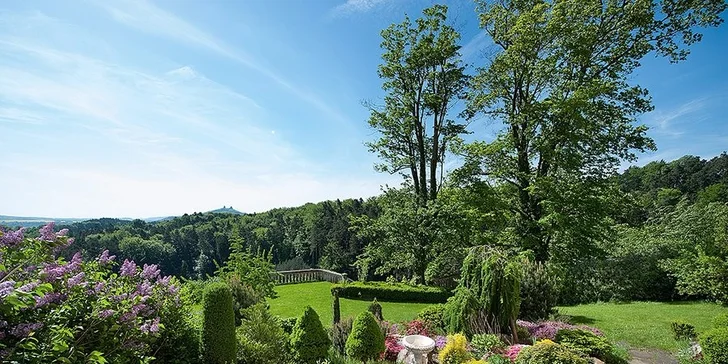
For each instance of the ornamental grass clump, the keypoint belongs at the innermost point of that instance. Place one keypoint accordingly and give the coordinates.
(309, 340)
(366, 341)
(218, 325)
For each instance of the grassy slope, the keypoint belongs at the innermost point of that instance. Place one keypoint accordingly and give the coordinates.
(645, 324)
(293, 297)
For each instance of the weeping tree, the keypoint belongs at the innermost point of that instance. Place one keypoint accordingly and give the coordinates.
(489, 290)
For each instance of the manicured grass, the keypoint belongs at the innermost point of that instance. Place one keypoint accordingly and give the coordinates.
(645, 324)
(292, 298)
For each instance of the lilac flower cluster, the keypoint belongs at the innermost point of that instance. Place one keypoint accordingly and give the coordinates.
(54, 271)
(136, 300)
(12, 238)
(6, 288)
(128, 268)
(105, 258)
(549, 329)
(77, 280)
(48, 298)
(23, 330)
(151, 326)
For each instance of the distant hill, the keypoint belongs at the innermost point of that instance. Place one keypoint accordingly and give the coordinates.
(25, 221)
(227, 210)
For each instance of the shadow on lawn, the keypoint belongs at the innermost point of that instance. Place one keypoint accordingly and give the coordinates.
(582, 320)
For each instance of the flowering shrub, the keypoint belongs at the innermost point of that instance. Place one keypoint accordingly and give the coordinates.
(418, 327)
(513, 351)
(440, 342)
(549, 329)
(80, 311)
(392, 347)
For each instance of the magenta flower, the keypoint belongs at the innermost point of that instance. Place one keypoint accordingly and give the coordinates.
(513, 351)
(128, 269)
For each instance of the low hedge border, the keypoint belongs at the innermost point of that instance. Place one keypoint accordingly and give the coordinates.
(391, 292)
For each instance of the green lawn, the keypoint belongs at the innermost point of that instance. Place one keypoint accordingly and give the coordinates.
(644, 324)
(293, 297)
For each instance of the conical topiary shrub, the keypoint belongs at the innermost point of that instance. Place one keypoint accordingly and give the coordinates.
(218, 325)
(366, 341)
(309, 340)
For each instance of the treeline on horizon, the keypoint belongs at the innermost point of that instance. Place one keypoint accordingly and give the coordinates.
(658, 198)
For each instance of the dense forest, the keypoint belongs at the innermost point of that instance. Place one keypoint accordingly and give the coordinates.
(662, 209)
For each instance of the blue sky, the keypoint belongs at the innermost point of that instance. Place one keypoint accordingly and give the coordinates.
(139, 108)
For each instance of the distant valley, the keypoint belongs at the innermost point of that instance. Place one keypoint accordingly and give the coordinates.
(29, 221)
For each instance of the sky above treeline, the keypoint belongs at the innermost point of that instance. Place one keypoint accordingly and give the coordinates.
(138, 108)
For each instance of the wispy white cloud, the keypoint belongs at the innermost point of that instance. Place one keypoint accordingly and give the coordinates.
(476, 46)
(667, 121)
(84, 136)
(351, 7)
(147, 17)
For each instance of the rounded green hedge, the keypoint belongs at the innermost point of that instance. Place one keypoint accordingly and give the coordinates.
(309, 340)
(218, 325)
(366, 340)
(389, 292)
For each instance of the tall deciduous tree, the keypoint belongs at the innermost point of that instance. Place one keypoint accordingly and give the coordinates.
(559, 83)
(423, 75)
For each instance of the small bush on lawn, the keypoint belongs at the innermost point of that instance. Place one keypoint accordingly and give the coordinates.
(376, 309)
(218, 325)
(682, 330)
(484, 344)
(309, 341)
(589, 344)
(721, 321)
(455, 351)
(261, 339)
(432, 316)
(547, 351)
(366, 341)
(391, 292)
(339, 333)
(715, 345)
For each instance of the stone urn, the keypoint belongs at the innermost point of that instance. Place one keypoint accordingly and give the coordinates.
(418, 347)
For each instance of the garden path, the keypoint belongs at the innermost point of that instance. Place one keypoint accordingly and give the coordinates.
(651, 356)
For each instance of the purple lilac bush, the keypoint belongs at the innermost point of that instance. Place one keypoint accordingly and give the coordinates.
(549, 329)
(82, 311)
